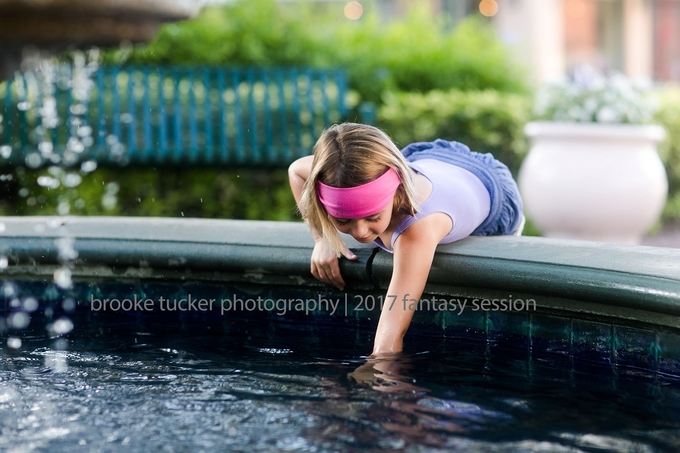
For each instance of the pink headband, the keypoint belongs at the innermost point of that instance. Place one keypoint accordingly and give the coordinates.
(359, 201)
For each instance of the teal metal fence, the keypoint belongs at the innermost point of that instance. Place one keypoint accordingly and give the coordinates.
(181, 115)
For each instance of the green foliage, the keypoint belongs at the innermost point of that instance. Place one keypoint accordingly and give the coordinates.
(417, 53)
(205, 193)
(486, 121)
(252, 32)
(668, 116)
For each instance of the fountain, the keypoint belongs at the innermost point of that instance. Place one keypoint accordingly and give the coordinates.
(95, 359)
(55, 25)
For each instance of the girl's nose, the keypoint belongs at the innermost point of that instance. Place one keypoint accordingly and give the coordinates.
(361, 229)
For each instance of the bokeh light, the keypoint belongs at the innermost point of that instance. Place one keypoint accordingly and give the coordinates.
(353, 10)
(488, 8)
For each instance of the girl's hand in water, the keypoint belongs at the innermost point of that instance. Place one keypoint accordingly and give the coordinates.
(325, 265)
(386, 374)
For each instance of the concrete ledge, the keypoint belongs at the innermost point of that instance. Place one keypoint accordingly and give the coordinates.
(630, 282)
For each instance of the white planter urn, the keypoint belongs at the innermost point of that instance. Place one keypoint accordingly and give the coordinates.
(590, 181)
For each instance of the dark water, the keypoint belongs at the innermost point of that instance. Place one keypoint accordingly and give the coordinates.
(296, 391)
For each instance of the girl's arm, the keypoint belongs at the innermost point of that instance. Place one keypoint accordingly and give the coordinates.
(324, 262)
(413, 255)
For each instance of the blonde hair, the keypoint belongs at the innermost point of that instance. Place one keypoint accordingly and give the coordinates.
(349, 155)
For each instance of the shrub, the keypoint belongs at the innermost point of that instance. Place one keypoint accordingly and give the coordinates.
(253, 32)
(668, 115)
(199, 192)
(486, 121)
(417, 53)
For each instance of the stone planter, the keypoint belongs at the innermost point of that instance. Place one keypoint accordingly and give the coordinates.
(591, 181)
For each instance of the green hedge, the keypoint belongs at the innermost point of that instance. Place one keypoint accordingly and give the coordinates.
(417, 53)
(668, 116)
(487, 121)
(166, 192)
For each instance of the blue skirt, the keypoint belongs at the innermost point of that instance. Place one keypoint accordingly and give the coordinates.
(505, 214)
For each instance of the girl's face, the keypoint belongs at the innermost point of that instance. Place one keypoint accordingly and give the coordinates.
(365, 229)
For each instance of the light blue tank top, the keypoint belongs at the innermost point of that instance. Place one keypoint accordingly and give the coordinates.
(456, 192)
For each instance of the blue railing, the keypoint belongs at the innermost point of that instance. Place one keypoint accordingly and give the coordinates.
(174, 115)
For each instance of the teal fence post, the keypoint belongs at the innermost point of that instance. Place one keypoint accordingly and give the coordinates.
(193, 122)
(101, 118)
(255, 155)
(367, 113)
(285, 149)
(177, 113)
(132, 142)
(208, 117)
(162, 119)
(146, 114)
(116, 104)
(223, 120)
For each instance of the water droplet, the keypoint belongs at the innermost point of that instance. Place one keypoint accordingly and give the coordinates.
(4, 262)
(109, 201)
(46, 148)
(9, 289)
(65, 246)
(5, 151)
(62, 277)
(63, 208)
(112, 188)
(117, 149)
(88, 166)
(18, 320)
(30, 304)
(78, 109)
(62, 326)
(14, 342)
(55, 170)
(72, 180)
(55, 223)
(24, 106)
(84, 131)
(56, 361)
(126, 118)
(74, 145)
(48, 181)
(68, 305)
(33, 160)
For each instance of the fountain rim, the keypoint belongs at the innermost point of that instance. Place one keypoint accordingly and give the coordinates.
(636, 284)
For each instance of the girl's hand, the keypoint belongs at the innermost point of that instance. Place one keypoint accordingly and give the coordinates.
(325, 265)
(385, 374)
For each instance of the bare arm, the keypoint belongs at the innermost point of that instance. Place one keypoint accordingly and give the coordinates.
(324, 263)
(298, 173)
(413, 254)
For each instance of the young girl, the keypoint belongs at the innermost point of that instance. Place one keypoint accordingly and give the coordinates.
(359, 183)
